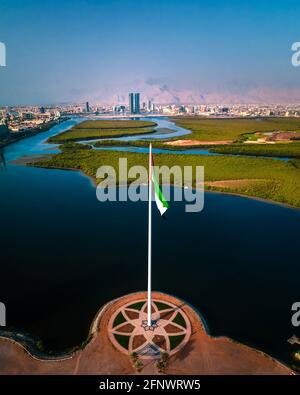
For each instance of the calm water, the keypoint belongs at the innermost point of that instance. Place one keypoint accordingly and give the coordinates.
(64, 254)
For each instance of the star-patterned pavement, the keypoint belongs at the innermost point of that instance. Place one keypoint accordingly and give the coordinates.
(129, 331)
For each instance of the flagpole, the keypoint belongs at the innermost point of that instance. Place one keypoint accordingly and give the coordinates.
(149, 236)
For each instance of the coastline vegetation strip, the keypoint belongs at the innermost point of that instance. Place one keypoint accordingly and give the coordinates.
(89, 130)
(91, 134)
(279, 180)
(156, 143)
(287, 150)
(214, 129)
(114, 124)
(282, 150)
(17, 136)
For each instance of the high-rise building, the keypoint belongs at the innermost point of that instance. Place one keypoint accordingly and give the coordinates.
(136, 103)
(87, 107)
(131, 103)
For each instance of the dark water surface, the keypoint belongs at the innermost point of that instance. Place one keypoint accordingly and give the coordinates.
(64, 254)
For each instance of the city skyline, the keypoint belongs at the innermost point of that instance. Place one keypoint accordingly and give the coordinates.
(149, 158)
(190, 52)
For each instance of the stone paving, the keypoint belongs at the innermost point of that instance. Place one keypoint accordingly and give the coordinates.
(129, 332)
(198, 354)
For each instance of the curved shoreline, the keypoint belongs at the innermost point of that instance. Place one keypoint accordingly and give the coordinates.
(97, 327)
(79, 139)
(43, 356)
(267, 201)
(31, 133)
(208, 191)
(26, 161)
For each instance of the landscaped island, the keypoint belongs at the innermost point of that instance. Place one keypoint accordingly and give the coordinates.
(278, 137)
(235, 129)
(89, 130)
(283, 150)
(258, 177)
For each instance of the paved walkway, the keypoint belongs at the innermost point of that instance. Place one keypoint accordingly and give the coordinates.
(170, 330)
(199, 354)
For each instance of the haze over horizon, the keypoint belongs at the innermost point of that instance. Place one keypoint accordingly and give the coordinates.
(171, 51)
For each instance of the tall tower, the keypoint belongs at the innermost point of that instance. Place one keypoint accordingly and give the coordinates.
(136, 103)
(131, 103)
(87, 107)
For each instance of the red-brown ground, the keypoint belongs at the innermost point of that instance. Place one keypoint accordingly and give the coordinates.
(202, 355)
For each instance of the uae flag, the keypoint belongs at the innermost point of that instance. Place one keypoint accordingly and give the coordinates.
(161, 202)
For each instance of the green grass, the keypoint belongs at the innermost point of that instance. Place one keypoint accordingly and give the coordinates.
(89, 130)
(145, 143)
(91, 134)
(136, 306)
(123, 143)
(290, 150)
(162, 306)
(119, 319)
(233, 128)
(175, 341)
(72, 147)
(114, 124)
(179, 320)
(279, 181)
(283, 150)
(122, 340)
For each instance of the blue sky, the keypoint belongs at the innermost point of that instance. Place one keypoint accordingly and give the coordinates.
(66, 50)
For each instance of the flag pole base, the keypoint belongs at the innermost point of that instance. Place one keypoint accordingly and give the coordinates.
(151, 327)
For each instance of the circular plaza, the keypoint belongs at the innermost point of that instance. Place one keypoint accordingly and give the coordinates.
(169, 332)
